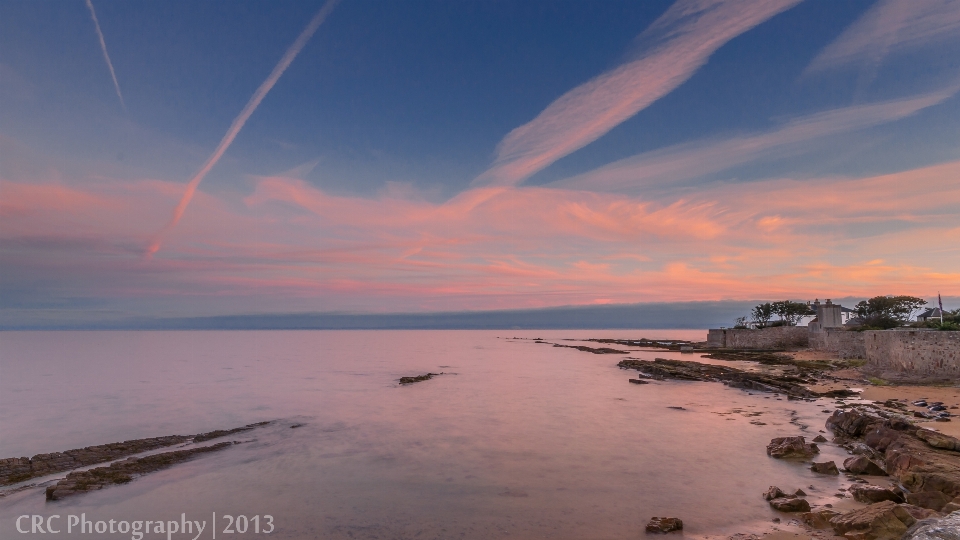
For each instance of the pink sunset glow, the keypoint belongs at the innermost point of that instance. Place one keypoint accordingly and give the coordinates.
(501, 247)
(408, 159)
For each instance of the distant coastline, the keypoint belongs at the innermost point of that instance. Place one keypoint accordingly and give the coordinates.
(681, 315)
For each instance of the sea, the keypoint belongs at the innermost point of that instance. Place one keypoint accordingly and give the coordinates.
(512, 440)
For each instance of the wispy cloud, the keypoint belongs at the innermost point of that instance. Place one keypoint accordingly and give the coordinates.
(240, 120)
(683, 162)
(106, 56)
(674, 47)
(888, 25)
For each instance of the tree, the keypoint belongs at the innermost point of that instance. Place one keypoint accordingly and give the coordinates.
(740, 323)
(761, 314)
(888, 311)
(791, 312)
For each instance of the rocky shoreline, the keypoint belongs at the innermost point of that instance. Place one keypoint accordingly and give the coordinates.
(921, 466)
(790, 384)
(122, 472)
(906, 476)
(14, 470)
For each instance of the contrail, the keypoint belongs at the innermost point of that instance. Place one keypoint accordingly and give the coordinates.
(241, 119)
(103, 46)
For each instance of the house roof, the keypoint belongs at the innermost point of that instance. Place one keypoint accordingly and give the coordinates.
(932, 312)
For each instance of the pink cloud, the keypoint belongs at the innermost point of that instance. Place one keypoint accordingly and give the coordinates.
(888, 25)
(288, 243)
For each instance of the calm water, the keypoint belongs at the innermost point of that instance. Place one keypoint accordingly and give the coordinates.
(516, 440)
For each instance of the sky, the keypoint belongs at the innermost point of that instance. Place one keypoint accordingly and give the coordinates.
(184, 159)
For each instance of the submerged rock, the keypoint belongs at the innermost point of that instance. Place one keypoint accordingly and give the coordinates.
(418, 378)
(664, 525)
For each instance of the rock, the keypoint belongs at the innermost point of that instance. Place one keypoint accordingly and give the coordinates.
(874, 494)
(881, 521)
(799, 493)
(791, 447)
(947, 528)
(883, 436)
(938, 440)
(638, 381)
(122, 472)
(951, 506)
(661, 368)
(862, 449)
(827, 467)
(919, 513)
(933, 500)
(664, 525)
(920, 467)
(863, 465)
(19, 469)
(791, 504)
(772, 493)
(819, 439)
(418, 378)
(852, 423)
(819, 519)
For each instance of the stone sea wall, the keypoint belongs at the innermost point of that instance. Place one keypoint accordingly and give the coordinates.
(777, 337)
(843, 343)
(913, 353)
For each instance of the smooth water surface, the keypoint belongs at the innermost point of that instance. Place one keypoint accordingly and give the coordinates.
(515, 440)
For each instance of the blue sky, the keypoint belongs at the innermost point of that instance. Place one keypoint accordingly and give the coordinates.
(428, 101)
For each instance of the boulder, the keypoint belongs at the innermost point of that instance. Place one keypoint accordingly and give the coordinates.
(664, 525)
(819, 519)
(827, 467)
(819, 439)
(863, 465)
(791, 447)
(951, 506)
(881, 521)
(852, 423)
(874, 494)
(881, 437)
(947, 528)
(920, 513)
(934, 500)
(938, 440)
(790, 504)
(773, 493)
